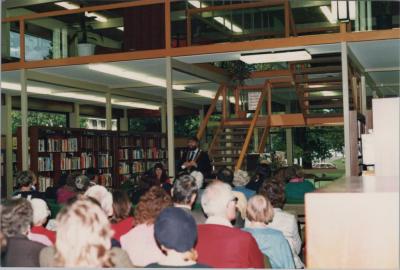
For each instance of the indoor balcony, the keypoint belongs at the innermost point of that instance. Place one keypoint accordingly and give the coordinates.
(90, 31)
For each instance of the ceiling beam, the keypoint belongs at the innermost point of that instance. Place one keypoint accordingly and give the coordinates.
(200, 72)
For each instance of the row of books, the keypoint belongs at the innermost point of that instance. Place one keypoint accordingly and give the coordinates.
(105, 161)
(45, 164)
(156, 153)
(58, 145)
(123, 153)
(44, 183)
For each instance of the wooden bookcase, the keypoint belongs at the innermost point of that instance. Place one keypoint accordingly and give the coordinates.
(138, 152)
(118, 156)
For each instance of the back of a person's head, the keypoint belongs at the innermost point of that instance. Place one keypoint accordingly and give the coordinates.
(122, 206)
(199, 177)
(16, 217)
(298, 171)
(183, 189)
(225, 175)
(25, 179)
(103, 196)
(83, 235)
(240, 178)
(216, 198)
(151, 204)
(40, 211)
(274, 191)
(81, 182)
(259, 209)
(175, 229)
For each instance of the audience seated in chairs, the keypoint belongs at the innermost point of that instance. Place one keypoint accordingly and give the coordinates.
(139, 242)
(271, 242)
(16, 219)
(176, 233)
(274, 191)
(219, 244)
(83, 239)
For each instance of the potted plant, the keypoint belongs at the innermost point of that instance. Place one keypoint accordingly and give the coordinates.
(84, 47)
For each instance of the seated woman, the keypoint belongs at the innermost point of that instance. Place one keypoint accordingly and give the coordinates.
(139, 242)
(16, 219)
(38, 232)
(122, 220)
(296, 186)
(176, 233)
(271, 242)
(67, 188)
(83, 239)
(160, 174)
(26, 181)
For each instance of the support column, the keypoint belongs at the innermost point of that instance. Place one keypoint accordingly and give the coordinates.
(108, 111)
(289, 141)
(201, 119)
(170, 119)
(163, 115)
(24, 120)
(124, 125)
(9, 147)
(74, 119)
(346, 111)
(363, 96)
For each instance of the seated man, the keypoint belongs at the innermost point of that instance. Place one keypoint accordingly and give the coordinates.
(184, 193)
(219, 244)
(195, 159)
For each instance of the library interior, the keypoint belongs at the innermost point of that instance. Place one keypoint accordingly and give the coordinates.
(265, 133)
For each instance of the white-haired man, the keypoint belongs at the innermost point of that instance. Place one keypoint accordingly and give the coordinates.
(219, 244)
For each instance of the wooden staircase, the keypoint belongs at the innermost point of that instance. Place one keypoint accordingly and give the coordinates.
(318, 84)
(233, 137)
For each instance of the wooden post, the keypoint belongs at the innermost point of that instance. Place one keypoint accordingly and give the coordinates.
(203, 125)
(250, 131)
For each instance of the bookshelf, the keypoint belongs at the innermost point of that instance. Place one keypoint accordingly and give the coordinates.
(118, 156)
(138, 152)
(3, 163)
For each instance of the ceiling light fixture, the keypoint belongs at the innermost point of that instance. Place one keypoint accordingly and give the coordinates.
(328, 14)
(67, 5)
(225, 22)
(275, 57)
(132, 75)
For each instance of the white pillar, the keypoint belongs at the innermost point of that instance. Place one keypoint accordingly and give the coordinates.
(123, 124)
(369, 16)
(9, 146)
(163, 115)
(108, 111)
(170, 118)
(363, 96)
(24, 120)
(74, 118)
(346, 113)
(289, 141)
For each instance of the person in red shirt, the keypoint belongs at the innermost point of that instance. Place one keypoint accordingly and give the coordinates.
(122, 220)
(219, 244)
(40, 215)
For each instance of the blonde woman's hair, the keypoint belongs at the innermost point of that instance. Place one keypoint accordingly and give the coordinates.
(83, 235)
(259, 209)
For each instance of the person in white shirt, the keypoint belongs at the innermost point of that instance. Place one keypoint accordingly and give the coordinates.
(283, 221)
